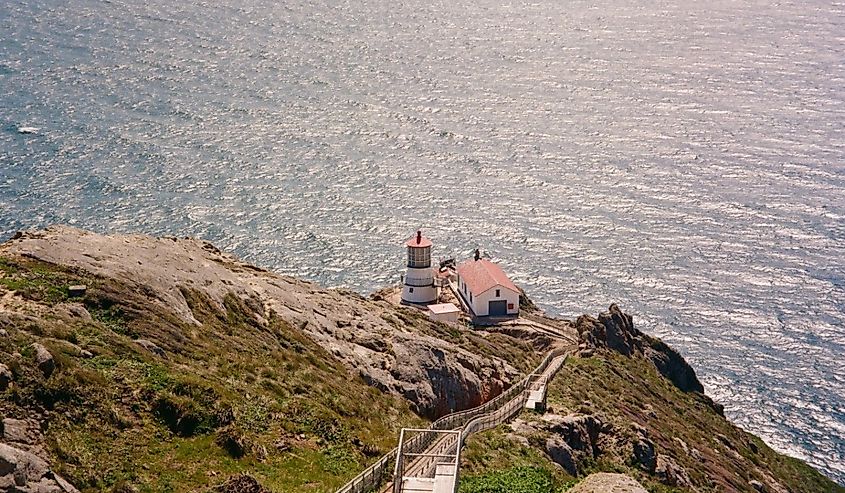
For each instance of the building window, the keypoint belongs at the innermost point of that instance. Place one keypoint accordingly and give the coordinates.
(510, 306)
(497, 293)
(470, 297)
(410, 290)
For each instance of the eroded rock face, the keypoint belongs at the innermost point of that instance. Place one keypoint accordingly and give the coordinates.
(580, 431)
(562, 454)
(568, 439)
(673, 366)
(367, 336)
(670, 473)
(644, 455)
(23, 472)
(151, 347)
(435, 378)
(615, 330)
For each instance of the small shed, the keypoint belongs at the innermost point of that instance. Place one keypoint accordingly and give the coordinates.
(444, 312)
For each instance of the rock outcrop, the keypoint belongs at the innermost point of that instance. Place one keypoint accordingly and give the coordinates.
(23, 472)
(6, 377)
(561, 454)
(20, 431)
(151, 347)
(669, 472)
(569, 440)
(43, 359)
(615, 330)
(391, 348)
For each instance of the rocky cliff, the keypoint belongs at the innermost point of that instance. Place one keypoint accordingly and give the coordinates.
(395, 350)
(180, 368)
(630, 403)
(177, 358)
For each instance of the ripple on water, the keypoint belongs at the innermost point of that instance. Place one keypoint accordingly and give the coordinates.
(687, 161)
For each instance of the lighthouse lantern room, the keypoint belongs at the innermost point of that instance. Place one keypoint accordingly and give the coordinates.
(419, 278)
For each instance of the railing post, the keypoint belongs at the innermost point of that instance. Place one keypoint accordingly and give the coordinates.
(397, 471)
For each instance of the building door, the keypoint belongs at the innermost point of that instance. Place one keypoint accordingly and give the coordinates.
(498, 308)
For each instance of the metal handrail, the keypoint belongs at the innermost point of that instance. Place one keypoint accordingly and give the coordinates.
(470, 421)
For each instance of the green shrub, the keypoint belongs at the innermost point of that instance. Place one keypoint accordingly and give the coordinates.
(233, 440)
(71, 385)
(182, 414)
(338, 459)
(514, 480)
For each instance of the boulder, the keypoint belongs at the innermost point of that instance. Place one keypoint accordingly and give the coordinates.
(77, 290)
(579, 431)
(151, 347)
(23, 468)
(6, 377)
(21, 431)
(522, 427)
(78, 310)
(22, 471)
(644, 455)
(757, 485)
(43, 359)
(670, 473)
(562, 454)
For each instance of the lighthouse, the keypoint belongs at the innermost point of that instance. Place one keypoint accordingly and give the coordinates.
(419, 278)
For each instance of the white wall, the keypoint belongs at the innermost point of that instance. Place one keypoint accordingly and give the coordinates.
(425, 294)
(479, 304)
(420, 294)
(445, 317)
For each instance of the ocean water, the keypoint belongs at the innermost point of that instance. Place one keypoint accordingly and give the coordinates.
(684, 159)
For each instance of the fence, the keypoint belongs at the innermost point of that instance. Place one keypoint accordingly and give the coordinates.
(473, 420)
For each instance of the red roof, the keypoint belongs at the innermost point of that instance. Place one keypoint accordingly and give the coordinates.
(482, 275)
(423, 241)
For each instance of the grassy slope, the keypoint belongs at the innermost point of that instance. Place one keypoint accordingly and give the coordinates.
(232, 396)
(237, 395)
(624, 390)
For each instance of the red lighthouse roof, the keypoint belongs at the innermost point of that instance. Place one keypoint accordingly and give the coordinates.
(418, 241)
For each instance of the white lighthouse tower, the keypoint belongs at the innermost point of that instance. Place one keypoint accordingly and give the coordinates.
(419, 279)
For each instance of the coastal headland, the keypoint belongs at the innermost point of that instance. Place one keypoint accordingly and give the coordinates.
(134, 363)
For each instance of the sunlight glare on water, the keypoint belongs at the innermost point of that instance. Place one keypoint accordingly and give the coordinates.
(684, 159)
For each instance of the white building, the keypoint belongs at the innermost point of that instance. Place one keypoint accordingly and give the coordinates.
(444, 312)
(486, 289)
(419, 278)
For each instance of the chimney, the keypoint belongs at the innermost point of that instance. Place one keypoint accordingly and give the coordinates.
(419, 237)
(477, 254)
